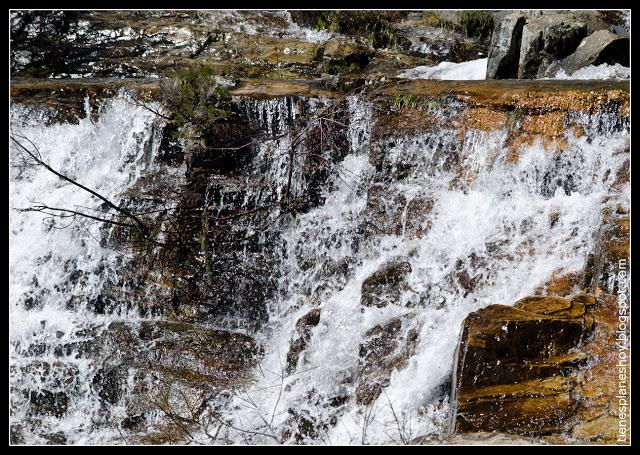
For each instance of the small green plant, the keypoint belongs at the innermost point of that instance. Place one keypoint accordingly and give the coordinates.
(475, 24)
(514, 119)
(407, 100)
(195, 99)
(433, 104)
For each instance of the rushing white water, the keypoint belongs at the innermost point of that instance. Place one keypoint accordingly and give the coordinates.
(58, 266)
(509, 225)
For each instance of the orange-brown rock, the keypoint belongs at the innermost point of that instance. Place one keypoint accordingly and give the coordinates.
(514, 364)
(561, 284)
(549, 305)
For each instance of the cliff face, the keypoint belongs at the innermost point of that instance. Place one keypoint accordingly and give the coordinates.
(314, 254)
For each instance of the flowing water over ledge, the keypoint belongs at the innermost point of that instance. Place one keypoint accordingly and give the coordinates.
(448, 209)
(57, 269)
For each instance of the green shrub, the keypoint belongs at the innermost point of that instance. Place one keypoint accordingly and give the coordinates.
(475, 24)
(195, 99)
(435, 20)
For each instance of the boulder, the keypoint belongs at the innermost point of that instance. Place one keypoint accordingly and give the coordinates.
(385, 285)
(525, 44)
(547, 38)
(347, 51)
(504, 51)
(600, 47)
(514, 367)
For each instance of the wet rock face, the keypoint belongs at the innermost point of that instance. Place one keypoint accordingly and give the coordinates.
(298, 344)
(385, 285)
(184, 351)
(50, 403)
(392, 213)
(168, 368)
(386, 348)
(514, 367)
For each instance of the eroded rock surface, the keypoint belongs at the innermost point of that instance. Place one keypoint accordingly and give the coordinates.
(544, 366)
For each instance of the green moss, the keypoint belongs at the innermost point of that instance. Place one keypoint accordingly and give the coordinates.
(435, 20)
(375, 26)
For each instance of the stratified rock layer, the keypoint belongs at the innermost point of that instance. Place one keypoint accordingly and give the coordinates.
(551, 366)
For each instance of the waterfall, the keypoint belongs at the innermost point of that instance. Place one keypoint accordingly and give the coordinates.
(57, 267)
(476, 228)
(463, 223)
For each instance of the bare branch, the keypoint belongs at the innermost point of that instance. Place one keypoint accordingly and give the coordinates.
(37, 157)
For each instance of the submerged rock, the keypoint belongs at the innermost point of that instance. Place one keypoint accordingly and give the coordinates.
(393, 213)
(386, 348)
(45, 402)
(385, 285)
(184, 351)
(303, 328)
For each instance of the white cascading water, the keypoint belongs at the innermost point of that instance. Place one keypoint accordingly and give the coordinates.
(514, 224)
(57, 268)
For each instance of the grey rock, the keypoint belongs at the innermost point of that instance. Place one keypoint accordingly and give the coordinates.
(600, 47)
(548, 38)
(385, 348)
(299, 344)
(504, 52)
